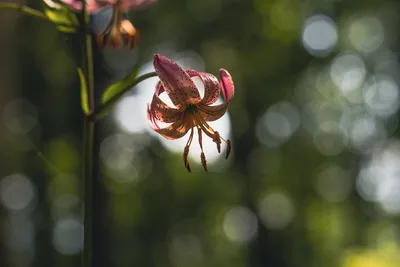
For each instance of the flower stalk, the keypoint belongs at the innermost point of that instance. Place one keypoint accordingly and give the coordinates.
(88, 146)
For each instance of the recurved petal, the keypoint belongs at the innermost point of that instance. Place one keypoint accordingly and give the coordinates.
(95, 6)
(135, 4)
(163, 112)
(177, 83)
(159, 88)
(174, 131)
(211, 86)
(72, 4)
(227, 87)
(213, 113)
(92, 6)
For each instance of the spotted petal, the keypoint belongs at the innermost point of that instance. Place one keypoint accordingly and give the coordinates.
(174, 131)
(227, 87)
(211, 86)
(213, 113)
(159, 88)
(177, 83)
(163, 112)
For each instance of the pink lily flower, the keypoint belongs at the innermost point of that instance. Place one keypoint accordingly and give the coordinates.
(190, 111)
(119, 29)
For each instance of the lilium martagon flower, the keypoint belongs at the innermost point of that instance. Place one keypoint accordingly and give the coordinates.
(119, 30)
(191, 111)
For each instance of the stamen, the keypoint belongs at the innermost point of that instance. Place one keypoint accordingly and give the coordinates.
(228, 148)
(203, 121)
(214, 135)
(129, 33)
(111, 34)
(203, 161)
(116, 38)
(185, 154)
(200, 138)
(199, 121)
(217, 140)
(202, 155)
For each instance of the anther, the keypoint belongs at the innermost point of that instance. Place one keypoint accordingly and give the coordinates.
(129, 33)
(185, 156)
(203, 161)
(228, 148)
(188, 167)
(217, 140)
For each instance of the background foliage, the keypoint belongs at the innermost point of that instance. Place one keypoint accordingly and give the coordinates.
(314, 178)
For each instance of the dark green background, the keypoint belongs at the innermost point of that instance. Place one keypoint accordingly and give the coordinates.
(169, 217)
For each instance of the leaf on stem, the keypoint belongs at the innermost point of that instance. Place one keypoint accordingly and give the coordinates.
(118, 88)
(84, 92)
(64, 18)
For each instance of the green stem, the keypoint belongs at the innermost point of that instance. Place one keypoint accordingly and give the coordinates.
(24, 9)
(106, 105)
(89, 131)
(88, 191)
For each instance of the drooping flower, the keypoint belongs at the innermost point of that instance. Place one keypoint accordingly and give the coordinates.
(119, 29)
(190, 111)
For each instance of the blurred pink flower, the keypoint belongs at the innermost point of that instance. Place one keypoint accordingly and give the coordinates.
(94, 6)
(190, 111)
(119, 30)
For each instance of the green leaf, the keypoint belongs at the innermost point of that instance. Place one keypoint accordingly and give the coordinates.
(103, 112)
(84, 92)
(65, 19)
(111, 93)
(119, 86)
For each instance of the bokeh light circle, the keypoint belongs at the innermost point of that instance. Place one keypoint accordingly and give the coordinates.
(319, 35)
(381, 96)
(240, 224)
(333, 183)
(68, 236)
(276, 210)
(366, 34)
(278, 123)
(16, 192)
(348, 71)
(379, 178)
(20, 116)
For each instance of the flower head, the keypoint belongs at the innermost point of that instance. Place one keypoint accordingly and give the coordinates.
(190, 111)
(119, 30)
